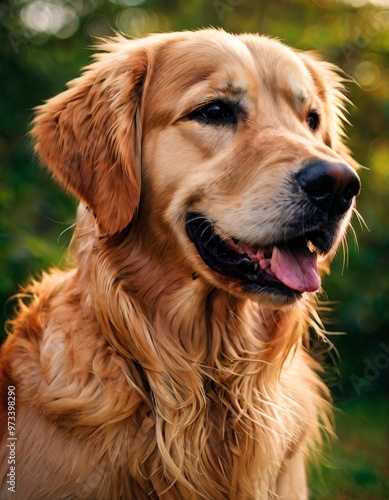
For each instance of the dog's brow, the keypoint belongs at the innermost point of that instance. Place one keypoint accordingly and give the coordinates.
(232, 87)
(301, 97)
(299, 94)
(235, 89)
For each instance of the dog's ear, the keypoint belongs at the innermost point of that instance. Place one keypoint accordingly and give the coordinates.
(329, 81)
(89, 136)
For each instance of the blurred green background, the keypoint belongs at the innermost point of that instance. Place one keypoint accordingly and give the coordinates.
(44, 43)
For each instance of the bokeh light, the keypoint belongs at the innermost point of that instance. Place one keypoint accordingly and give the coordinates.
(51, 18)
(368, 74)
(361, 3)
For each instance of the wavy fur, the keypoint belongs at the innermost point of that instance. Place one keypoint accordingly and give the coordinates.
(139, 373)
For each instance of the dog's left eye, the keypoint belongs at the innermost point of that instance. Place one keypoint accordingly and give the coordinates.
(216, 112)
(313, 120)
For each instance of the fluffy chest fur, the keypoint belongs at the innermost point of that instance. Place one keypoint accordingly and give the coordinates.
(203, 429)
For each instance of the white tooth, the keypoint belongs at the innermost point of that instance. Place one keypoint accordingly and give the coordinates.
(311, 246)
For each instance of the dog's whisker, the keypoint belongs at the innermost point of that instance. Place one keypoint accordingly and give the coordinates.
(208, 225)
(360, 219)
(354, 233)
(72, 226)
(345, 254)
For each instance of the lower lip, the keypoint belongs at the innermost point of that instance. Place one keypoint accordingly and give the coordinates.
(260, 282)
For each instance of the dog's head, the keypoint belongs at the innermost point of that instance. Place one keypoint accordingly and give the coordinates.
(227, 149)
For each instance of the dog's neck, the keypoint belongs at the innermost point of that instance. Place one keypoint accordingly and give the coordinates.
(142, 282)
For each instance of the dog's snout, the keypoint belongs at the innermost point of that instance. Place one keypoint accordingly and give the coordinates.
(331, 186)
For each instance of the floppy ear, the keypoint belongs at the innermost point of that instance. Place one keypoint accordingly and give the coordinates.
(330, 85)
(89, 136)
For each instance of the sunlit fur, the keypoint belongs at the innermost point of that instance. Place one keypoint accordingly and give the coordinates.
(139, 372)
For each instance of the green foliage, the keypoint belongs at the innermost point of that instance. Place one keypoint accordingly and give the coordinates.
(356, 467)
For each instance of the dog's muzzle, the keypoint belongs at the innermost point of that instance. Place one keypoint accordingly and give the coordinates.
(288, 266)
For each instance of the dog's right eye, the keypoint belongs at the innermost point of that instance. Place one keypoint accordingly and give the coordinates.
(216, 112)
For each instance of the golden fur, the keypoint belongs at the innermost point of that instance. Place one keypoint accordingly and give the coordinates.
(140, 372)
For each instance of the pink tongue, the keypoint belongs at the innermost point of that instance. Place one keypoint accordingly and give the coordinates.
(297, 269)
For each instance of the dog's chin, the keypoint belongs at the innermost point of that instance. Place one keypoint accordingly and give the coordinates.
(279, 273)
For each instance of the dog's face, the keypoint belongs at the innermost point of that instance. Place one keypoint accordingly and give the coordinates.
(226, 149)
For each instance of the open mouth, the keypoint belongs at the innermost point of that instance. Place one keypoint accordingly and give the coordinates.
(288, 268)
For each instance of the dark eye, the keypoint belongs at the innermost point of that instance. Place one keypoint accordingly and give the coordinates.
(216, 112)
(313, 120)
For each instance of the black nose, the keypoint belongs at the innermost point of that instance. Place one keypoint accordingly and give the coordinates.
(331, 186)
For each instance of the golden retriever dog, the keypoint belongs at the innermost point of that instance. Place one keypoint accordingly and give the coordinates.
(170, 359)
